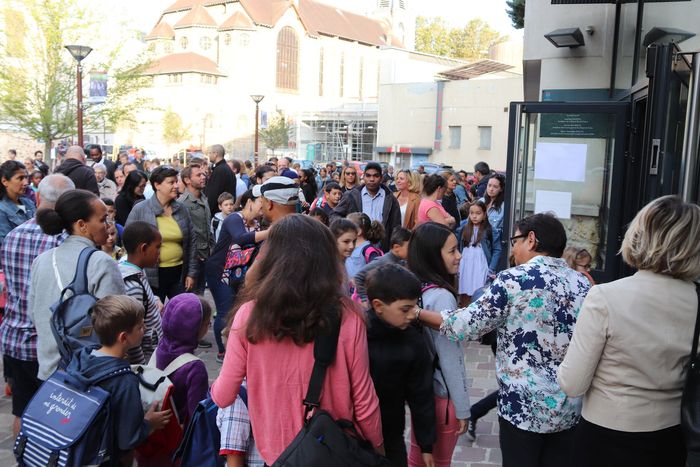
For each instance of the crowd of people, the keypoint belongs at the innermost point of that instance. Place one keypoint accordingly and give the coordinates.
(411, 265)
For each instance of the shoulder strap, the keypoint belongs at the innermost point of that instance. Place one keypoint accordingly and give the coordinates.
(325, 346)
(179, 362)
(696, 333)
(80, 280)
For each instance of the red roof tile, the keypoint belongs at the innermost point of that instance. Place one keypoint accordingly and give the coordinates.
(265, 12)
(162, 30)
(237, 20)
(197, 16)
(181, 5)
(182, 63)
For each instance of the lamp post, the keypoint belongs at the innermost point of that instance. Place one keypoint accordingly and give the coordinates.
(79, 52)
(257, 98)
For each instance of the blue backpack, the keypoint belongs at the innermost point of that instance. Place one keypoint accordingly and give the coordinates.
(71, 322)
(202, 440)
(67, 424)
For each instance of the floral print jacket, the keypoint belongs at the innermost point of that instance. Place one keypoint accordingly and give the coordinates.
(533, 307)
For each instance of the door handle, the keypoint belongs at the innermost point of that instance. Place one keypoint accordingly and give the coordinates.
(655, 154)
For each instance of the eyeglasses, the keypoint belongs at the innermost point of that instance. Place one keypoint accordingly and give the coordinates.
(350, 173)
(514, 238)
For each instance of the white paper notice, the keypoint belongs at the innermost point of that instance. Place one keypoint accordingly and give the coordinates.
(558, 202)
(561, 161)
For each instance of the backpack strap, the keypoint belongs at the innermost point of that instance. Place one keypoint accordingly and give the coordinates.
(79, 284)
(696, 333)
(179, 362)
(325, 346)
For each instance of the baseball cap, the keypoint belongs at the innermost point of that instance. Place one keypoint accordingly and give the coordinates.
(280, 190)
(289, 173)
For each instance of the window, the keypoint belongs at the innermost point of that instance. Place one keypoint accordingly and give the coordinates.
(169, 47)
(227, 39)
(484, 137)
(175, 78)
(287, 59)
(244, 40)
(455, 137)
(342, 74)
(361, 80)
(205, 43)
(183, 42)
(320, 73)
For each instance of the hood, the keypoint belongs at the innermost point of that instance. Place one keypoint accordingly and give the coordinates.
(68, 165)
(182, 318)
(89, 369)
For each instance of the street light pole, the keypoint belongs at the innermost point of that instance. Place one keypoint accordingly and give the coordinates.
(79, 52)
(257, 98)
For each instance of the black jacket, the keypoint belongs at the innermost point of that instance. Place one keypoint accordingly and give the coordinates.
(391, 211)
(109, 165)
(83, 176)
(221, 180)
(402, 372)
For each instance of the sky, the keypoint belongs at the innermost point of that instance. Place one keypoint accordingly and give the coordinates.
(144, 13)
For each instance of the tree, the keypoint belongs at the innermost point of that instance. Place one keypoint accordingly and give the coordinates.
(516, 12)
(472, 42)
(37, 75)
(276, 135)
(174, 132)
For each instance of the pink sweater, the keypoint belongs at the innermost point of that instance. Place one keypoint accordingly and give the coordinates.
(278, 375)
(425, 206)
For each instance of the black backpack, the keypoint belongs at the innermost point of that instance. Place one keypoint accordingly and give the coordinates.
(340, 444)
(71, 322)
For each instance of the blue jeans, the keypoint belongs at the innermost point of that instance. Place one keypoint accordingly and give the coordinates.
(223, 299)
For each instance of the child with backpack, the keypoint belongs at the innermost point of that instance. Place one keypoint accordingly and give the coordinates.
(369, 234)
(226, 207)
(142, 244)
(108, 438)
(237, 443)
(477, 246)
(400, 365)
(433, 256)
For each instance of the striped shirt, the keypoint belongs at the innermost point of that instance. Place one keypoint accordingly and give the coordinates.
(21, 246)
(137, 286)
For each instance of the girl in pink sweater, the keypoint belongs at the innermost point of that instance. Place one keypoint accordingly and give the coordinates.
(277, 358)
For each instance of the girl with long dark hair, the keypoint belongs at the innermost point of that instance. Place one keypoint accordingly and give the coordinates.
(494, 199)
(477, 247)
(15, 207)
(130, 194)
(433, 256)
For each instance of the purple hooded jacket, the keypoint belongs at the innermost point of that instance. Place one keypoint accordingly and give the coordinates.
(182, 318)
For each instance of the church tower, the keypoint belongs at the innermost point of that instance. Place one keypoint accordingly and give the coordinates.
(401, 19)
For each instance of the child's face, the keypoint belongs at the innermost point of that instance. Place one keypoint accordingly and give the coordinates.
(334, 197)
(476, 215)
(451, 255)
(36, 178)
(111, 212)
(111, 237)
(151, 252)
(226, 207)
(346, 243)
(398, 313)
(400, 250)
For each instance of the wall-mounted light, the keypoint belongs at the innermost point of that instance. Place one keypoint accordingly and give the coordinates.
(567, 37)
(665, 35)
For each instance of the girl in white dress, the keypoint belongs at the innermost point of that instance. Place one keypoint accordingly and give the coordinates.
(476, 242)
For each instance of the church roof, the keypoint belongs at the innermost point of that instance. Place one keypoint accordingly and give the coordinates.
(236, 21)
(162, 30)
(266, 12)
(197, 16)
(183, 63)
(320, 18)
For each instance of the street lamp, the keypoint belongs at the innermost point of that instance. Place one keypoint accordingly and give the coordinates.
(79, 52)
(257, 98)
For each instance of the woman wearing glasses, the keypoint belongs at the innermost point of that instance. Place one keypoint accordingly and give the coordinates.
(348, 180)
(579, 259)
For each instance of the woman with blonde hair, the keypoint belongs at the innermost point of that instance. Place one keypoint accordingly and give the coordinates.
(631, 344)
(349, 179)
(408, 189)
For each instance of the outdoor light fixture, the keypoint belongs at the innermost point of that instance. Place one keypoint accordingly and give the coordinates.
(666, 36)
(257, 98)
(568, 37)
(79, 52)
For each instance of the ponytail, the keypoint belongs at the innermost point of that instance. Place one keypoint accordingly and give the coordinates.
(375, 233)
(71, 206)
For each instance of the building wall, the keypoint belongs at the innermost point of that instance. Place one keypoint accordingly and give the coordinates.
(407, 116)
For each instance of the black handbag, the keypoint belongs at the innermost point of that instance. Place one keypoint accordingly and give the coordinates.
(690, 403)
(323, 441)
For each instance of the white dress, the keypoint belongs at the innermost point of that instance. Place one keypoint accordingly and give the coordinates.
(473, 267)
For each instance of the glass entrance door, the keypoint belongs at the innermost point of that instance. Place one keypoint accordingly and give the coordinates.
(568, 158)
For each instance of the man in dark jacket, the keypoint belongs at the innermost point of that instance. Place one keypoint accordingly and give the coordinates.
(74, 167)
(221, 180)
(373, 199)
(482, 173)
(96, 157)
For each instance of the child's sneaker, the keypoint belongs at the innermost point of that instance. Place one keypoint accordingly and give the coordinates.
(220, 357)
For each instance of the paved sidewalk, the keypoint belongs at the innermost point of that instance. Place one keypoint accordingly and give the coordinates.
(480, 369)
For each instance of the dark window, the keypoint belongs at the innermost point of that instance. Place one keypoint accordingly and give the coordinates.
(287, 59)
(320, 73)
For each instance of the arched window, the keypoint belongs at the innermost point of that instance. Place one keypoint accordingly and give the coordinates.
(287, 59)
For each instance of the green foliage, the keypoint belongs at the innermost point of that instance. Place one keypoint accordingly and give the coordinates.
(174, 132)
(276, 135)
(471, 42)
(516, 12)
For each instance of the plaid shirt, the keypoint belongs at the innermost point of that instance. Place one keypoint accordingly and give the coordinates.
(236, 434)
(21, 246)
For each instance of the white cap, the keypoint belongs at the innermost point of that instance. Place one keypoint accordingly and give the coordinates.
(280, 190)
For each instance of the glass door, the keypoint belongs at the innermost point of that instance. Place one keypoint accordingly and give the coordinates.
(568, 158)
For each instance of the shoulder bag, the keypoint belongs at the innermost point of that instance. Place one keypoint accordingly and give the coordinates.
(690, 403)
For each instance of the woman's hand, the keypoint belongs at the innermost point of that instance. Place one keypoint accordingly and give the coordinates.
(189, 283)
(428, 459)
(463, 425)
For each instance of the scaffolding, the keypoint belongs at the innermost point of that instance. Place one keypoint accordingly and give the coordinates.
(339, 135)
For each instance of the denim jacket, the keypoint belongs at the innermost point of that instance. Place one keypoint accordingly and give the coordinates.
(490, 244)
(11, 215)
